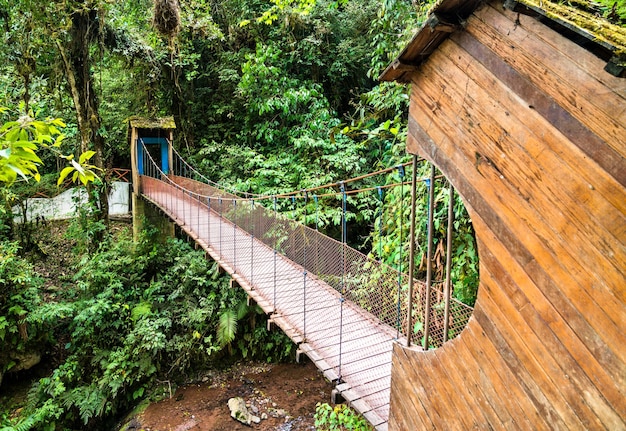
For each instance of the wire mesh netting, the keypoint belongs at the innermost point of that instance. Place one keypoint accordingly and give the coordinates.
(348, 307)
(366, 282)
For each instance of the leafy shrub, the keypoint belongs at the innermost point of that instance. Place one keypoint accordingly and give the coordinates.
(143, 312)
(339, 418)
(19, 296)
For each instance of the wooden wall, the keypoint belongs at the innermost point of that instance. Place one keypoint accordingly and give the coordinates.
(532, 133)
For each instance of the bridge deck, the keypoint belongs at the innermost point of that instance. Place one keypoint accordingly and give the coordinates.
(349, 345)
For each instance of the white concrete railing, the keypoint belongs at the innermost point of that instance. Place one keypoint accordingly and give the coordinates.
(64, 205)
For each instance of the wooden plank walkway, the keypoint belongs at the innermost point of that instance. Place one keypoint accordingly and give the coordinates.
(349, 345)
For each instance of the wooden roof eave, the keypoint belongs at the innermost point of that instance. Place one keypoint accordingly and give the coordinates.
(446, 17)
(415, 53)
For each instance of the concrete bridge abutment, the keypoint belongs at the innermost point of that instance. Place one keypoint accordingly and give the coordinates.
(145, 215)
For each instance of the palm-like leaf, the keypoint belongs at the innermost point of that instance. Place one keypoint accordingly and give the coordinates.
(227, 327)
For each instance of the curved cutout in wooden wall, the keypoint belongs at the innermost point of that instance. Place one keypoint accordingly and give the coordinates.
(532, 132)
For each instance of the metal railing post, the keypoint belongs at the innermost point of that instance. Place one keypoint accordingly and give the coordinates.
(317, 237)
(292, 227)
(304, 267)
(429, 254)
(344, 237)
(409, 326)
(208, 221)
(275, 251)
(234, 235)
(381, 197)
(447, 291)
(398, 308)
(221, 222)
(252, 243)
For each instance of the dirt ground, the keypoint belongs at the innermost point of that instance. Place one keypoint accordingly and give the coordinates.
(283, 395)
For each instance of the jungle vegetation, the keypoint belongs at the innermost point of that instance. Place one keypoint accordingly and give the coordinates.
(269, 96)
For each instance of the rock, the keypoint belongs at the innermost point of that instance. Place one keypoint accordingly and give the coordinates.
(254, 409)
(263, 416)
(238, 411)
(25, 360)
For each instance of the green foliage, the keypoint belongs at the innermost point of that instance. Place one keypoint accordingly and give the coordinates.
(88, 233)
(280, 7)
(19, 298)
(81, 170)
(391, 244)
(227, 327)
(269, 97)
(615, 11)
(339, 418)
(19, 142)
(271, 346)
(395, 22)
(279, 106)
(136, 314)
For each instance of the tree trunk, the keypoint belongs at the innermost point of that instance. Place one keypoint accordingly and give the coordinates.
(77, 62)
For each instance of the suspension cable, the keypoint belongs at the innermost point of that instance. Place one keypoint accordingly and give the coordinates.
(247, 195)
(210, 182)
(350, 180)
(293, 195)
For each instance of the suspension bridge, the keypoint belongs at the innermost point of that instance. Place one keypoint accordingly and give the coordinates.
(342, 308)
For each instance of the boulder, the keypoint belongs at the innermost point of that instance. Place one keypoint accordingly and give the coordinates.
(25, 360)
(239, 411)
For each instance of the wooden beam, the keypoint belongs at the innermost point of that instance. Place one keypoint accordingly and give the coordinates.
(403, 67)
(616, 67)
(442, 24)
(560, 24)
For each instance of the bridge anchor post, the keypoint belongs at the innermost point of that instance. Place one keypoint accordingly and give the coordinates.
(301, 357)
(144, 213)
(336, 397)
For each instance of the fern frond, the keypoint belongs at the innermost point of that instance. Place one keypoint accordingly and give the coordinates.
(227, 327)
(24, 425)
(242, 309)
(31, 421)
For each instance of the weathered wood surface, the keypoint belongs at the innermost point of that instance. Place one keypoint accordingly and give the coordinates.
(532, 132)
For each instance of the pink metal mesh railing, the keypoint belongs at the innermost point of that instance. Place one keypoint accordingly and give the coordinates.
(343, 305)
(368, 283)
